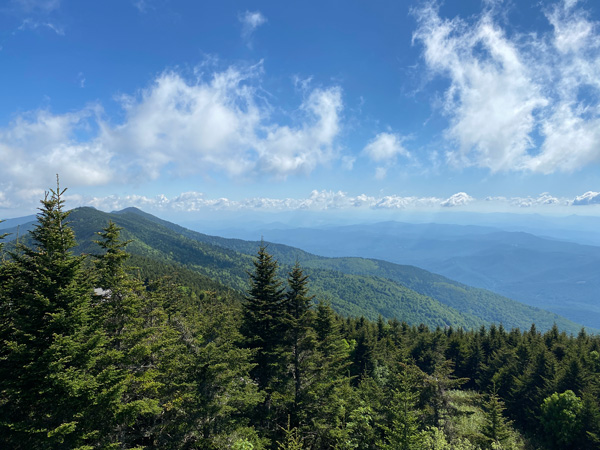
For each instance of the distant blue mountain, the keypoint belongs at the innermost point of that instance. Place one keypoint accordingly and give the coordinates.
(560, 276)
(13, 223)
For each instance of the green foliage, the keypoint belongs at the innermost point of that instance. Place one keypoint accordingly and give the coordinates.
(497, 429)
(292, 439)
(263, 319)
(354, 286)
(49, 349)
(182, 361)
(436, 439)
(403, 432)
(561, 418)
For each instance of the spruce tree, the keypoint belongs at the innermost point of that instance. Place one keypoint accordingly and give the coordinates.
(48, 354)
(110, 264)
(497, 429)
(263, 317)
(330, 392)
(263, 327)
(300, 335)
(401, 430)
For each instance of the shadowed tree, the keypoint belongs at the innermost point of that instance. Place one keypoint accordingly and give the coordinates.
(301, 337)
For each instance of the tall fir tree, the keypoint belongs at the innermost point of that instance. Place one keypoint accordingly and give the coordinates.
(401, 429)
(301, 338)
(496, 428)
(48, 354)
(263, 327)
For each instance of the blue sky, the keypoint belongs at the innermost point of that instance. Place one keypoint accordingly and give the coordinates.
(192, 107)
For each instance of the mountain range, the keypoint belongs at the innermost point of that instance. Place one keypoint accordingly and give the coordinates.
(354, 286)
(544, 272)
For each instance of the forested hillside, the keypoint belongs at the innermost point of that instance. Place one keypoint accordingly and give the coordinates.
(354, 286)
(548, 273)
(96, 355)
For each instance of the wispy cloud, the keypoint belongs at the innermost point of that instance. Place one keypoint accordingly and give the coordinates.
(30, 24)
(250, 20)
(517, 102)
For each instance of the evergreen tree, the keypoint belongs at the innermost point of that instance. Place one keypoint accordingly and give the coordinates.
(48, 354)
(301, 337)
(532, 387)
(330, 393)
(110, 264)
(496, 428)
(403, 433)
(135, 331)
(264, 328)
(263, 319)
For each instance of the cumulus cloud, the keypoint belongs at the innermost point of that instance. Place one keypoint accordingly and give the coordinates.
(38, 145)
(319, 200)
(517, 102)
(385, 148)
(287, 150)
(323, 200)
(182, 126)
(250, 20)
(589, 198)
(543, 199)
(458, 199)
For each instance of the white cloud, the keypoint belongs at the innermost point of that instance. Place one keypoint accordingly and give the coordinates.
(250, 20)
(317, 201)
(177, 125)
(458, 199)
(287, 150)
(397, 202)
(4, 201)
(385, 147)
(141, 5)
(29, 24)
(38, 145)
(518, 102)
(589, 198)
(348, 162)
(324, 200)
(543, 199)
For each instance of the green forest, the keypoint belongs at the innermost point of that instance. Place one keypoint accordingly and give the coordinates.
(101, 350)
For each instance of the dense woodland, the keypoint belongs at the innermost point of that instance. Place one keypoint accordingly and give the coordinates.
(93, 355)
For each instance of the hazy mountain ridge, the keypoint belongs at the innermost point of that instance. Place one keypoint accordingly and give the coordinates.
(355, 286)
(548, 273)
